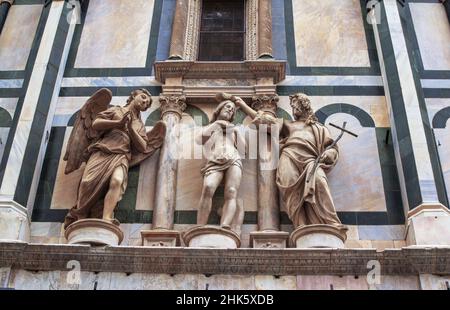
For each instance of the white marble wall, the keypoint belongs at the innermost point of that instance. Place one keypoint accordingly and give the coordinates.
(433, 34)
(9, 104)
(358, 171)
(22, 133)
(53, 280)
(4, 132)
(17, 36)
(434, 282)
(331, 80)
(110, 81)
(442, 136)
(329, 34)
(105, 45)
(417, 132)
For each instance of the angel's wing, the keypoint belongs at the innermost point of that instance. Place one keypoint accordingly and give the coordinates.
(83, 134)
(155, 140)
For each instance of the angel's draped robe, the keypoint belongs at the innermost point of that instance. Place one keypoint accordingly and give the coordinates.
(112, 150)
(310, 202)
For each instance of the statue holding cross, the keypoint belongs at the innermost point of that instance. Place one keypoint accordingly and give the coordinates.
(307, 152)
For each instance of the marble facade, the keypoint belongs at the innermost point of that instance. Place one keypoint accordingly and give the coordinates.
(17, 36)
(434, 47)
(121, 281)
(335, 62)
(117, 48)
(329, 34)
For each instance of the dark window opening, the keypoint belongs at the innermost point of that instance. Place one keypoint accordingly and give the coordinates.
(222, 31)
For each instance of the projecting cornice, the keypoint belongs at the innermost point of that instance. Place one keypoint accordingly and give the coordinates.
(220, 70)
(405, 261)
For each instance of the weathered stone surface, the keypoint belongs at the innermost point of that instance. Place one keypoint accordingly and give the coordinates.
(275, 283)
(405, 261)
(94, 232)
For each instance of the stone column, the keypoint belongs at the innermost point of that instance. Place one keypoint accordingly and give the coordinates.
(4, 8)
(421, 181)
(29, 141)
(268, 234)
(179, 30)
(172, 107)
(265, 29)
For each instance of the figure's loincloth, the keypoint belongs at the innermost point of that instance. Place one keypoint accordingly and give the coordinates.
(220, 165)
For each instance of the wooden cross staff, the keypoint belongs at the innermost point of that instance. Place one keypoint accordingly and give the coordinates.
(316, 162)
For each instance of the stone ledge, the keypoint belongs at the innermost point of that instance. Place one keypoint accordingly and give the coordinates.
(220, 69)
(405, 261)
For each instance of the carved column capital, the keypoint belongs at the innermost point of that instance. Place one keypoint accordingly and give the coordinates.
(172, 104)
(266, 103)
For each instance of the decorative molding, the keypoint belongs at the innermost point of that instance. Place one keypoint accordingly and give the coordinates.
(429, 207)
(221, 70)
(213, 232)
(405, 261)
(191, 18)
(192, 30)
(172, 104)
(265, 29)
(251, 40)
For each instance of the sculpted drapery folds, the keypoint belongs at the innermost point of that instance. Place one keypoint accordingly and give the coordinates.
(109, 140)
(305, 193)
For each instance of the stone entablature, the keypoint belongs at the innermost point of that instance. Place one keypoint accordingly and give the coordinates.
(220, 70)
(341, 262)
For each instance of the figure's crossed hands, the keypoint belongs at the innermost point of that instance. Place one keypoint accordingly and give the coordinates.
(222, 124)
(126, 119)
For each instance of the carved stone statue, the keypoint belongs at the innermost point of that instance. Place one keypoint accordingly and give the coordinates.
(221, 139)
(303, 186)
(110, 140)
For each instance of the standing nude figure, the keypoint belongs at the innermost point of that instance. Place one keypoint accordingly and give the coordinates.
(221, 138)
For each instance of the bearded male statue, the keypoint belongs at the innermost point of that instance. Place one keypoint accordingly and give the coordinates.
(302, 184)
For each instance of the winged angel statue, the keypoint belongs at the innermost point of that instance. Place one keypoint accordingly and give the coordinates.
(110, 140)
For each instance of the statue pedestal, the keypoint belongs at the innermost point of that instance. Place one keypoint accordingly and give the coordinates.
(14, 222)
(160, 238)
(269, 239)
(428, 225)
(318, 236)
(93, 232)
(211, 237)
